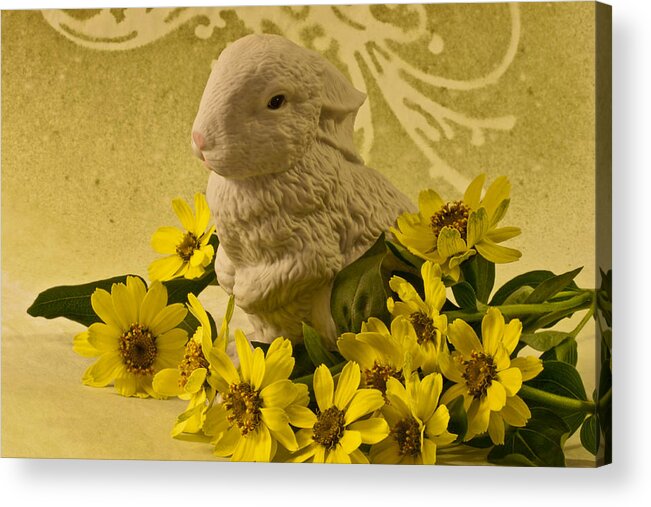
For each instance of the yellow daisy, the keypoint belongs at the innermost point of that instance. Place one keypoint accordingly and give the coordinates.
(251, 418)
(418, 424)
(380, 353)
(450, 233)
(188, 251)
(189, 380)
(429, 325)
(486, 376)
(335, 434)
(138, 337)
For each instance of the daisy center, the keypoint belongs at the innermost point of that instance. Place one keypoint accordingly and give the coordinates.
(243, 404)
(329, 428)
(453, 214)
(479, 373)
(377, 376)
(424, 327)
(138, 349)
(192, 360)
(187, 246)
(407, 434)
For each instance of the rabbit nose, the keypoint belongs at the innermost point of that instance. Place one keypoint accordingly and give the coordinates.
(199, 140)
(196, 147)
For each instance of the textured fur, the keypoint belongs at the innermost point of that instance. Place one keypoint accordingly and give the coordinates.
(292, 201)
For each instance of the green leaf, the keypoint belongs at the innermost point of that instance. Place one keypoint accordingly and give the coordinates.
(315, 347)
(302, 363)
(72, 301)
(539, 443)
(519, 295)
(605, 408)
(590, 434)
(544, 340)
(562, 379)
(360, 291)
(532, 279)
(552, 286)
(566, 351)
(465, 296)
(605, 296)
(179, 288)
(458, 424)
(404, 255)
(480, 274)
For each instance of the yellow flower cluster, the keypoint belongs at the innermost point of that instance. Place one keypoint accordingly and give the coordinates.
(386, 403)
(449, 233)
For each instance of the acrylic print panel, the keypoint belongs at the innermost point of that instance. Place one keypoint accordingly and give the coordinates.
(432, 308)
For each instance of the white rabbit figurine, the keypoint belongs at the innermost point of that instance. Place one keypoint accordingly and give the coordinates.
(293, 203)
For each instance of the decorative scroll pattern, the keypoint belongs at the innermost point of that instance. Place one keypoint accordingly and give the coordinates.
(363, 37)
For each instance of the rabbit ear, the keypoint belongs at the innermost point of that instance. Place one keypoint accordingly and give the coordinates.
(339, 104)
(339, 97)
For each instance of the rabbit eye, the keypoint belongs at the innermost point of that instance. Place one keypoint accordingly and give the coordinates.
(276, 101)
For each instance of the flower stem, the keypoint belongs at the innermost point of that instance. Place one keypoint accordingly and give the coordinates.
(555, 400)
(576, 303)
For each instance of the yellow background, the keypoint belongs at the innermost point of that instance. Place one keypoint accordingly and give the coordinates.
(95, 144)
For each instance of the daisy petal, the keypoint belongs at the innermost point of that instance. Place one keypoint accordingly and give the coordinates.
(478, 226)
(226, 445)
(323, 387)
(166, 382)
(81, 346)
(278, 423)
(338, 455)
(168, 318)
(166, 268)
(515, 412)
(184, 213)
(126, 309)
(428, 452)
(152, 304)
(371, 430)
(364, 402)
(496, 396)
(464, 338)
(499, 190)
(244, 353)
(472, 196)
(449, 243)
(347, 385)
(301, 417)
(172, 340)
(511, 380)
(439, 421)
(512, 333)
(279, 394)
(496, 429)
(103, 337)
(103, 370)
(503, 233)
(258, 369)
(492, 330)
(429, 203)
(202, 212)
(530, 366)
(166, 239)
(496, 253)
(103, 306)
(350, 441)
(224, 366)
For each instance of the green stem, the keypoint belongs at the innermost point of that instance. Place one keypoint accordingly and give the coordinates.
(555, 400)
(527, 309)
(606, 398)
(586, 318)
